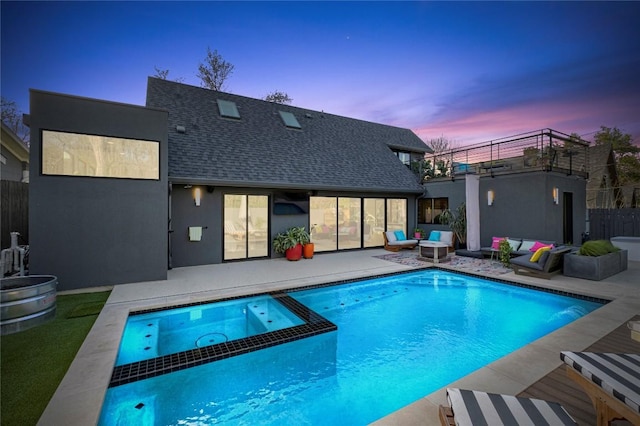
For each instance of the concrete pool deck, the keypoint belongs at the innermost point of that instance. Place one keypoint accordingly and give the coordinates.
(78, 399)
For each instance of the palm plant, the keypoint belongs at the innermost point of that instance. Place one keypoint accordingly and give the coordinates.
(457, 222)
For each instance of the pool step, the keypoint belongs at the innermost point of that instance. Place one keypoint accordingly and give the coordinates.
(263, 316)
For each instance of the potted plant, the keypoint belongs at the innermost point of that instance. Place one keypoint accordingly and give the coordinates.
(303, 238)
(457, 222)
(284, 243)
(504, 252)
(417, 233)
(596, 260)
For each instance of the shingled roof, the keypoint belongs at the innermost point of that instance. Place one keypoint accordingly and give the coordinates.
(328, 152)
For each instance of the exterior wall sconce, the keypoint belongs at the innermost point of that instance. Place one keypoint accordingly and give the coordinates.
(490, 197)
(556, 195)
(196, 196)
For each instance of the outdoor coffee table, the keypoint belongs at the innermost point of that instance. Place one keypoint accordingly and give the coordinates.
(434, 251)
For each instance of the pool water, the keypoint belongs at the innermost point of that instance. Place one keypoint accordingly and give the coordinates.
(158, 333)
(399, 338)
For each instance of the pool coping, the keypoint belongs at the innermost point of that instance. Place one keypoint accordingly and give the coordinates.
(79, 397)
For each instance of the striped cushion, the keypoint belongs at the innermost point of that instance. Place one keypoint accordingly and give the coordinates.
(490, 409)
(616, 374)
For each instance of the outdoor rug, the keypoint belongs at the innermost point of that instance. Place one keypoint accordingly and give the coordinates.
(467, 264)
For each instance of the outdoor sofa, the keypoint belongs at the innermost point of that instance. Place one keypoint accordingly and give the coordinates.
(445, 237)
(396, 240)
(519, 246)
(549, 263)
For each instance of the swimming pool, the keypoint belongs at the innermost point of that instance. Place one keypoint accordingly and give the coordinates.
(398, 339)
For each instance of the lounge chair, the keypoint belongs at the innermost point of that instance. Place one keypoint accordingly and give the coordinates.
(549, 264)
(610, 380)
(468, 407)
(391, 243)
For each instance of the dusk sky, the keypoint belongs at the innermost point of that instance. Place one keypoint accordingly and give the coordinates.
(471, 72)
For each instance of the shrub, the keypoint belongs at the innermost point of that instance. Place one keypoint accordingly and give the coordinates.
(597, 248)
(504, 253)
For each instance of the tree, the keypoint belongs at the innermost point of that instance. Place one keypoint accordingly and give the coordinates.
(441, 144)
(627, 154)
(278, 97)
(12, 118)
(214, 71)
(163, 74)
(621, 143)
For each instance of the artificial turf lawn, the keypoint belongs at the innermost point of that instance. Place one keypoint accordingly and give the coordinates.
(33, 362)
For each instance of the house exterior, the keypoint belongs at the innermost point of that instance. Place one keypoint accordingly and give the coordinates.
(530, 186)
(98, 191)
(258, 168)
(603, 189)
(124, 192)
(14, 157)
(14, 191)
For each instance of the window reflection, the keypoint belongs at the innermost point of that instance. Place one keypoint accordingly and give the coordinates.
(73, 154)
(339, 223)
(246, 222)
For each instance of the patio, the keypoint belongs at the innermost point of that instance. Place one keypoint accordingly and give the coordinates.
(79, 396)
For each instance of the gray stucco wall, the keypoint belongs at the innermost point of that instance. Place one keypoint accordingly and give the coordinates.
(97, 231)
(523, 205)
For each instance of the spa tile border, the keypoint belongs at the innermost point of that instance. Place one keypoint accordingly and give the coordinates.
(314, 324)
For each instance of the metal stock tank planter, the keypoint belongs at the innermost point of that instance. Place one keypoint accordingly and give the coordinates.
(27, 302)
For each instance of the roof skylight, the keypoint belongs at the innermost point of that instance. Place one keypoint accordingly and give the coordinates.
(228, 109)
(290, 120)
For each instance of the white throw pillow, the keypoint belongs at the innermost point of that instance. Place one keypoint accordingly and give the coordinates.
(515, 244)
(526, 245)
(446, 237)
(391, 236)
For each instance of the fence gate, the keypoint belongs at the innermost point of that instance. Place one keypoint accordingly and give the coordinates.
(15, 212)
(607, 223)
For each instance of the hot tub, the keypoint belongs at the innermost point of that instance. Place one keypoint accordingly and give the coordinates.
(631, 244)
(26, 302)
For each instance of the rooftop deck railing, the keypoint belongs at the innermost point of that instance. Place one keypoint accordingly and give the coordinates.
(546, 150)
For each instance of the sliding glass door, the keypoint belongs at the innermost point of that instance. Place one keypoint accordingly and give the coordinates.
(374, 215)
(341, 223)
(246, 223)
(397, 215)
(323, 219)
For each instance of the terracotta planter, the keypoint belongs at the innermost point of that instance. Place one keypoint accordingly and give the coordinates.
(294, 253)
(307, 250)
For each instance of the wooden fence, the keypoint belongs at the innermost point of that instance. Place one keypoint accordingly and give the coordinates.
(15, 212)
(607, 223)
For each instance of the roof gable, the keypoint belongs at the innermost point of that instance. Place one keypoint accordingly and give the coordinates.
(258, 149)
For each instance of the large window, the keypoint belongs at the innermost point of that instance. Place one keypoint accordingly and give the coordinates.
(246, 220)
(340, 223)
(429, 209)
(73, 154)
